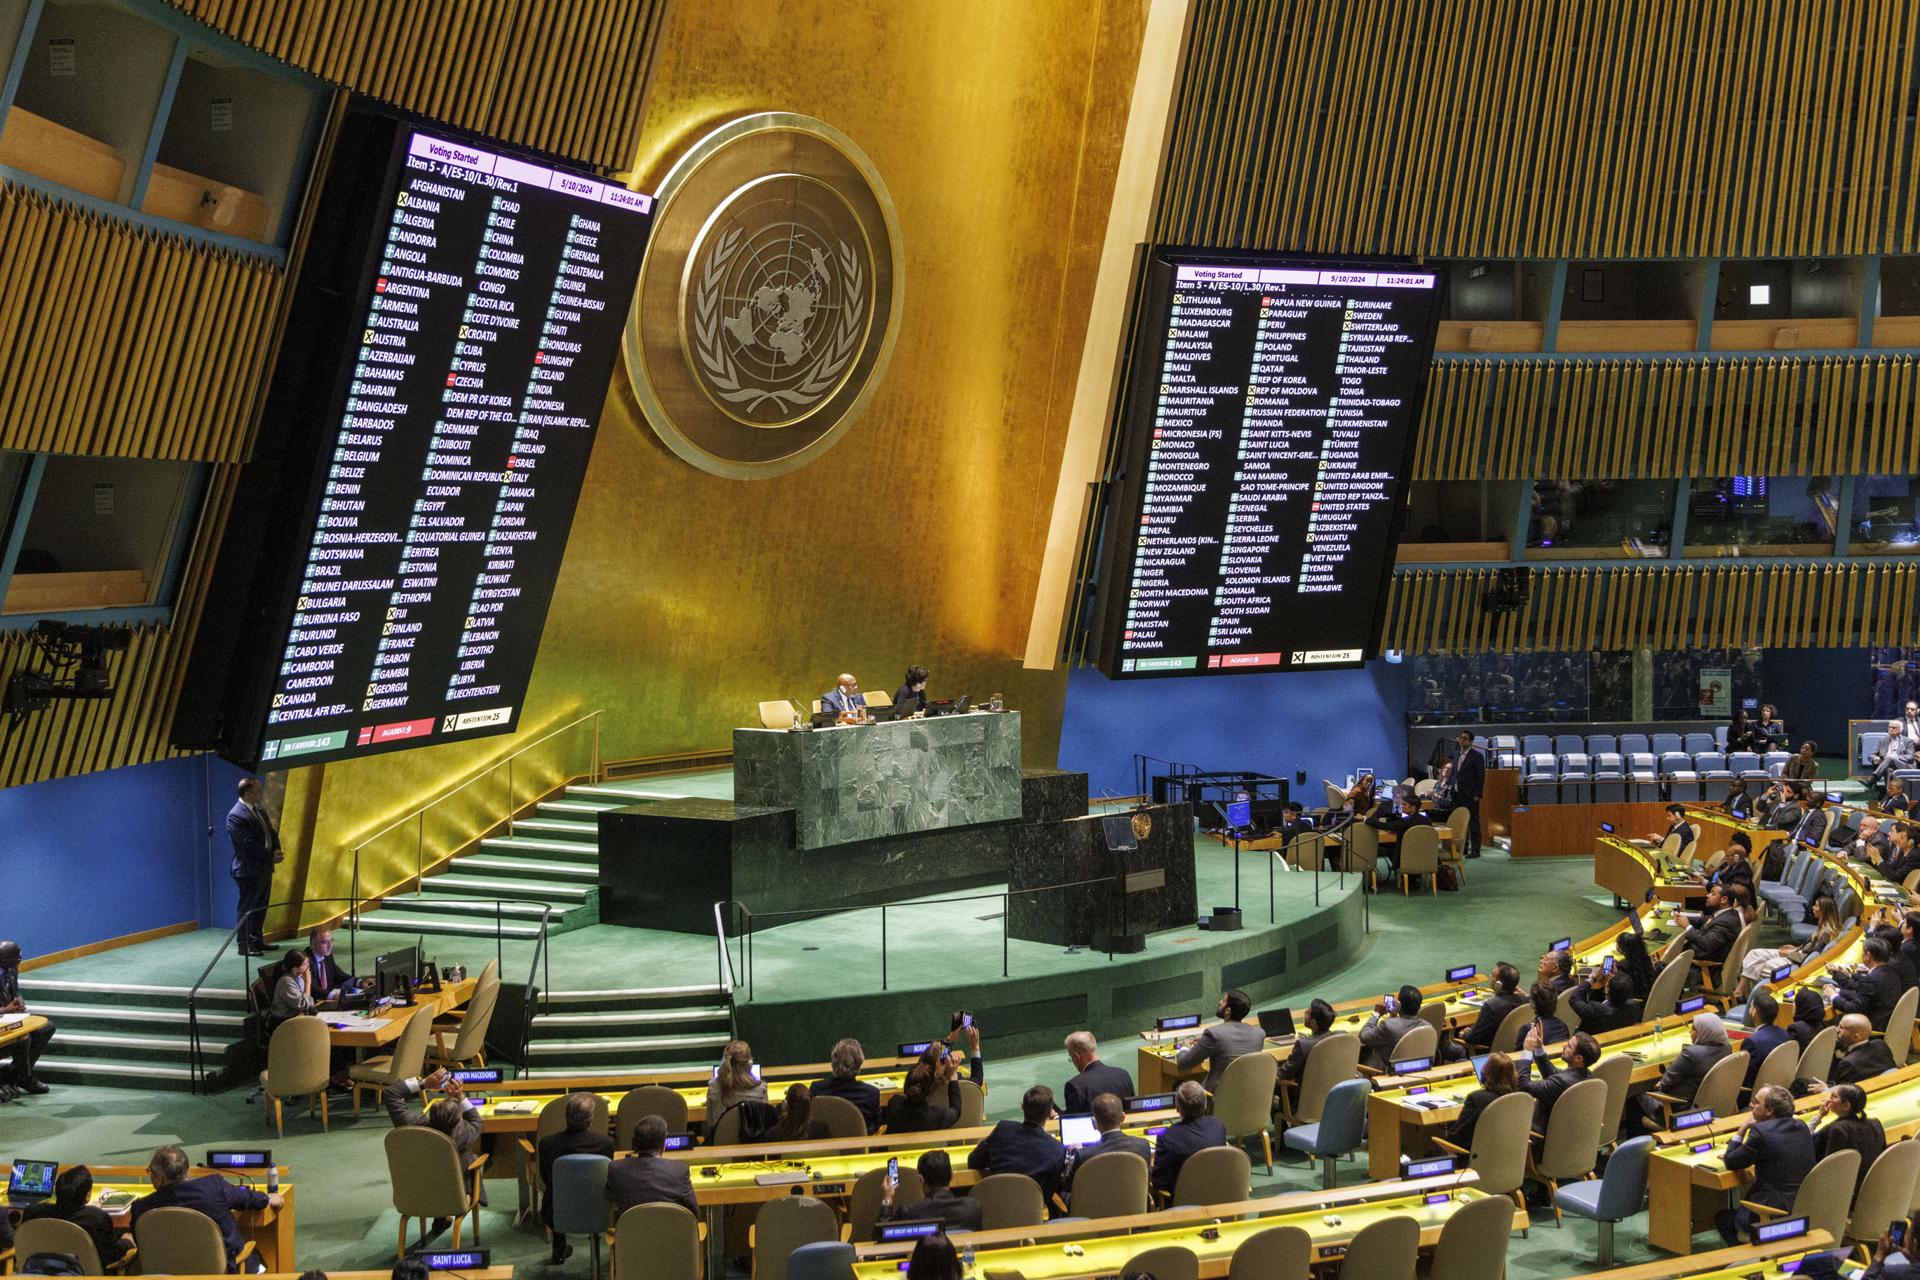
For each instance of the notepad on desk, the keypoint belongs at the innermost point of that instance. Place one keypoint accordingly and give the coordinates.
(518, 1107)
(114, 1201)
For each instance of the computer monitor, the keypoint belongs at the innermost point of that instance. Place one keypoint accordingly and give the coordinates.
(1268, 814)
(390, 968)
(1276, 1023)
(1078, 1130)
(1240, 814)
(32, 1180)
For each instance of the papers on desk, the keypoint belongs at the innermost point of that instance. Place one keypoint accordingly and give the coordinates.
(517, 1107)
(11, 1020)
(781, 1179)
(114, 1201)
(353, 1021)
(885, 1083)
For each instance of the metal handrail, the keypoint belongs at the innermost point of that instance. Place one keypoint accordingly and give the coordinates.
(195, 1056)
(419, 815)
(539, 956)
(1004, 896)
(724, 969)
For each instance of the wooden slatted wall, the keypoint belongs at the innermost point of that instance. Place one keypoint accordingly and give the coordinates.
(124, 341)
(1639, 418)
(130, 727)
(1661, 607)
(1546, 128)
(563, 76)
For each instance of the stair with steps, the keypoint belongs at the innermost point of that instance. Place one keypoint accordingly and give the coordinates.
(582, 1032)
(552, 859)
(109, 1033)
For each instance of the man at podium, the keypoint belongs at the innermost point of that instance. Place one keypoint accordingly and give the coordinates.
(845, 701)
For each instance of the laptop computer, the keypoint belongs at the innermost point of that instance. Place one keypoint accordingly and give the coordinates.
(1277, 1024)
(32, 1180)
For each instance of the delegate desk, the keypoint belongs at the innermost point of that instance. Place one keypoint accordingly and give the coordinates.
(863, 782)
(1742, 1262)
(1155, 1070)
(1686, 1187)
(376, 1028)
(519, 1112)
(117, 1186)
(1211, 1232)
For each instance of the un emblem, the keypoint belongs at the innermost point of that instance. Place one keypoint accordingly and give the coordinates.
(763, 318)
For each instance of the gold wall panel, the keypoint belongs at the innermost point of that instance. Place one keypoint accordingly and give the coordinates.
(685, 598)
(1543, 128)
(1711, 605)
(1636, 418)
(124, 341)
(564, 76)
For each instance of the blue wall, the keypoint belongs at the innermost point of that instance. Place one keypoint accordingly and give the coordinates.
(1326, 722)
(1817, 691)
(102, 855)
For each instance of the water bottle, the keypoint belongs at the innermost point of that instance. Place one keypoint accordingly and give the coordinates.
(966, 1259)
(1656, 1031)
(273, 1179)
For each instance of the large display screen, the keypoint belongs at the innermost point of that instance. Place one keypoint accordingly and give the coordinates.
(490, 318)
(1269, 428)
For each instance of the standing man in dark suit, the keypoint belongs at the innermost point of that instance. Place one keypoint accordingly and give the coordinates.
(577, 1139)
(1224, 1041)
(256, 848)
(1194, 1131)
(1024, 1145)
(210, 1195)
(646, 1177)
(845, 1083)
(27, 1051)
(1469, 780)
(1779, 1150)
(1095, 1077)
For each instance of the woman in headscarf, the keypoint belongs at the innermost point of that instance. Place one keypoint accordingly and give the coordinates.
(1809, 1016)
(1683, 1075)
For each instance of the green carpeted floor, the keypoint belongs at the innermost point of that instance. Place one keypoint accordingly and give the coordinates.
(1510, 909)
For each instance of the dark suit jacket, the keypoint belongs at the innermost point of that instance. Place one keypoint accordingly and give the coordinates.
(1852, 1133)
(1762, 1042)
(1113, 1140)
(1295, 1065)
(1469, 775)
(1492, 1014)
(1683, 1075)
(566, 1143)
(858, 1092)
(1017, 1147)
(955, 1213)
(253, 848)
(839, 703)
(211, 1195)
(902, 1115)
(1711, 939)
(1604, 1015)
(1460, 1132)
(1545, 1092)
(650, 1179)
(1181, 1139)
(1779, 1150)
(1864, 1061)
(107, 1241)
(328, 975)
(1873, 993)
(1097, 1079)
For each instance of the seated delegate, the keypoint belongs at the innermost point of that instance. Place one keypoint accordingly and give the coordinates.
(209, 1194)
(845, 701)
(911, 697)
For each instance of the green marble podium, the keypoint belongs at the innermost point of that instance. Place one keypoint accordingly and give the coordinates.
(865, 782)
